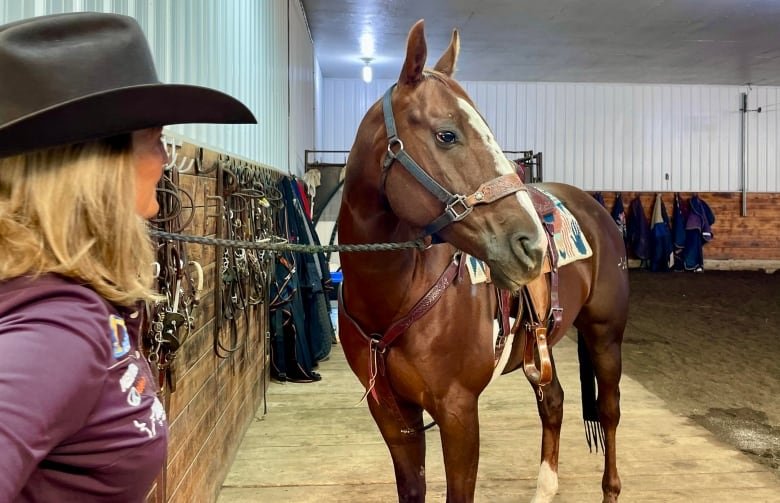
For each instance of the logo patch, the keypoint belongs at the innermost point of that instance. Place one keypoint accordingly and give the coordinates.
(120, 339)
(156, 418)
(133, 384)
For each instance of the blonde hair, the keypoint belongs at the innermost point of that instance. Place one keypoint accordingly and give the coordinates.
(71, 211)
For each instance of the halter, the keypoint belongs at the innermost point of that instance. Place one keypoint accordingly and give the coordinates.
(456, 206)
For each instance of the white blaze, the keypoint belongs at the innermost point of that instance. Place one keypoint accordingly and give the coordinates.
(503, 165)
(528, 206)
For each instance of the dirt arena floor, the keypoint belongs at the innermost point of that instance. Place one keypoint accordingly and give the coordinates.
(709, 345)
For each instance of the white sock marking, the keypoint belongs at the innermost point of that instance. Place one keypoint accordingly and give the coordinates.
(546, 484)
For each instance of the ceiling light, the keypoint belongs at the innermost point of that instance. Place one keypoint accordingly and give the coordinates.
(367, 45)
(368, 73)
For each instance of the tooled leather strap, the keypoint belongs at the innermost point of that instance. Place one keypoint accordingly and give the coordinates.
(487, 193)
(534, 339)
(379, 386)
(536, 335)
(504, 304)
(543, 204)
(422, 307)
(556, 312)
(496, 189)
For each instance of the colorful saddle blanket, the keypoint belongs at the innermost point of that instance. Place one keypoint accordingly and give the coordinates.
(569, 239)
(571, 243)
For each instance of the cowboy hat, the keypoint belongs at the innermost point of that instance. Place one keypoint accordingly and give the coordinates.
(70, 78)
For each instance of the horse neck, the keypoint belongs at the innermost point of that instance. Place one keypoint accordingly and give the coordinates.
(384, 287)
(379, 287)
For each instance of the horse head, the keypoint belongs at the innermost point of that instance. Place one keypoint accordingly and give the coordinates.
(434, 168)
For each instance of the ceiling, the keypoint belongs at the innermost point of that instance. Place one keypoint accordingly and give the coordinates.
(730, 42)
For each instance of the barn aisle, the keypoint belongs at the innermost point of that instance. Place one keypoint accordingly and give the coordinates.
(316, 445)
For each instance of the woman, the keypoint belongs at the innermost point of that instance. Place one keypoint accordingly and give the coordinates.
(80, 156)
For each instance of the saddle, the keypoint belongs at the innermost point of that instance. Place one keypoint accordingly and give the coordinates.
(537, 313)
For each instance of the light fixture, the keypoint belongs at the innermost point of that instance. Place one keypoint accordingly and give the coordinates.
(368, 73)
(367, 45)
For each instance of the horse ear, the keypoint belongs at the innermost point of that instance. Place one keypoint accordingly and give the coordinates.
(446, 63)
(416, 52)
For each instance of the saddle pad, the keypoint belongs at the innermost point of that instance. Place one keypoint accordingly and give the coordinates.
(569, 239)
(478, 270)
(571, 243)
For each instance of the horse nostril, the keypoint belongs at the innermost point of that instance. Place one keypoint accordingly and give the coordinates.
(527, 249)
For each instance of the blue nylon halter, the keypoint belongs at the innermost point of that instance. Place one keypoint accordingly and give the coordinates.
(451, 201)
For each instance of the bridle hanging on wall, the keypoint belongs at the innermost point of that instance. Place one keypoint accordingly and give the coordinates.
(243, 209)
(178, 280)
(247, 194)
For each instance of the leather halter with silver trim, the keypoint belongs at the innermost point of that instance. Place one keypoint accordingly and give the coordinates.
(456, 206)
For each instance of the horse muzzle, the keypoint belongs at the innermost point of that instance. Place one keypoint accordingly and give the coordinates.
(518, 260)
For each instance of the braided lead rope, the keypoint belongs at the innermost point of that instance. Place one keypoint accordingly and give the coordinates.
(285, 246)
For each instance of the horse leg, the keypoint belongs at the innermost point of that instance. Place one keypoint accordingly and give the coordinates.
(603, 343)
(551, 413)
(407, 450)
(458, 422)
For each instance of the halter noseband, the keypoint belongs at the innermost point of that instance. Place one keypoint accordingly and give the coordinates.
(456, 206)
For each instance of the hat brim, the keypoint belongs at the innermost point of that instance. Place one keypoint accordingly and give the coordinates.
(120, 111)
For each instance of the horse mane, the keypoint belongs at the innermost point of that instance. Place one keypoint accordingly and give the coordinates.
(437, 75)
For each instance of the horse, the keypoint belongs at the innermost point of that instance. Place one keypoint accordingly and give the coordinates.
(417, 335)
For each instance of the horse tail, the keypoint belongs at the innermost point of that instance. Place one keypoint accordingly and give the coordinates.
(594, 433)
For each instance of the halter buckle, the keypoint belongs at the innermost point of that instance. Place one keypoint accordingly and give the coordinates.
(452, 211)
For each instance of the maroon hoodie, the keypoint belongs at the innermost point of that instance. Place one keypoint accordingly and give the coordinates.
(79, 417)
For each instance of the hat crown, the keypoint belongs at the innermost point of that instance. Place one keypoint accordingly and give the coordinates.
(51, 60)
(72, 78)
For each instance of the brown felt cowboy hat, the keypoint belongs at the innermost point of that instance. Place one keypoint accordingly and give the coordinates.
(71, 78)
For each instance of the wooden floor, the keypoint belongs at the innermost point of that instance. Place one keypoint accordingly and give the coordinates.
(317, 444)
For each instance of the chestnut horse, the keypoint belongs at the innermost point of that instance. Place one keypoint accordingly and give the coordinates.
(412, 156)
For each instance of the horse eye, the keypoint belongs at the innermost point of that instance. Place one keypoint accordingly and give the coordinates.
(446, 137)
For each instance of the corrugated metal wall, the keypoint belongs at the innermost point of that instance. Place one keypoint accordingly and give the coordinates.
(237, 46)
(302, 89)
(763, 133)
(607, 136)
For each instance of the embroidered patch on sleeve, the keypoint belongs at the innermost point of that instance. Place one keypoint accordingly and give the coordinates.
(120, 340)
(156, 418)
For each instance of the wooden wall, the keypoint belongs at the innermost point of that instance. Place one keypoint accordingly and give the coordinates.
(216, 398)
(755, 238)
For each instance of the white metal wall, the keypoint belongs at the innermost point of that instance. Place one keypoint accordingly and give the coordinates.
(607, 136)
(318, 105)
(237, 46)
(763, 134)
(302, 89)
